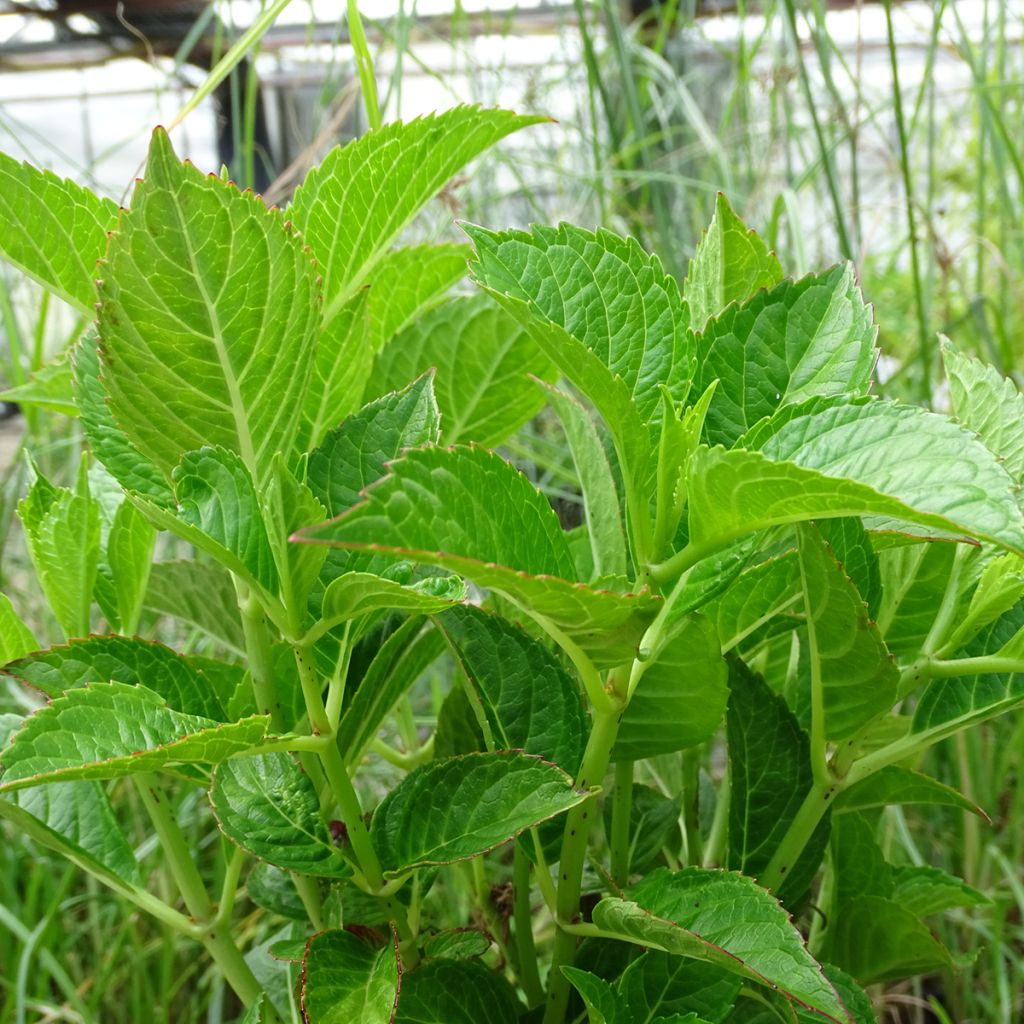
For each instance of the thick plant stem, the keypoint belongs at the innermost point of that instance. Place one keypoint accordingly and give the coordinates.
(811, 811)
(574, 853)
(529, 976)
(622, 805)
(217, 937)
(257, 650)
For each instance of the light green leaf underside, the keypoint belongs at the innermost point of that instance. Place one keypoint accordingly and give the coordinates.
(54, 231)
(854, 458)
(948, 706)
(727, 920)
(483, 357)
(356, 202)
(680, 700)
(731, 264)
(895, 785)
(208, 318)
(130, 546)
(267, 805)
(180, 681)
(51, 387)
(460, 807)
(106, 439)
(107, 730)
(406, 283)
(857, 675)
(530, 702)
(602, 290)
(199, 594)
(216, 496)
(344, 979)
(457, 944)
(807, 338)
(16, 638)
(62, 529)
(402, 658)
(456, 992)
(469, 511)
(359, 593)
(987, 404)
(600, 495)
(759, 594)
(355, 454)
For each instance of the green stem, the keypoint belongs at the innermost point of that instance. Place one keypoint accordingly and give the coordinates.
(714, 851)
(622, 805)
(574, 852)
(529, 975)
(216, 937)
(258, 653)
(787, 853)
(691, 805)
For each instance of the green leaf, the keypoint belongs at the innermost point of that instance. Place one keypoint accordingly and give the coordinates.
(16, 638)
(914, 581)
(854, 998)
(857, 860)
(341, 364)
(483, 357)
(659, 984)
(948, 706)
(273, 889)
(82, 814)
(407, 282)
(220, 513)
(770, 774)
(807, 338)
(730, 265)
(529, 701)
(344, 979)
(458, 808)
(199, 594)
(988, 405)
(1001, 586)
(456, 992)
(925, 890)
(106, 439)
(469, 511)
(858, 458)
(181, 681)
(108, 730)
(876, 940)
(356, 454)
(359, 593)
(857, 676)
(600, 495)
(851, 547)
(401, 660)
(208, 318)
(457, 944)
(62, 528)
(681, 697)
(726, 920)
(130, 554)
(357, 201)
(758, 595)
(603, 1002)
(267, 805)
(54, 231)
(287, 505)
(602, 290)
(51, 387)
(895, 785)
